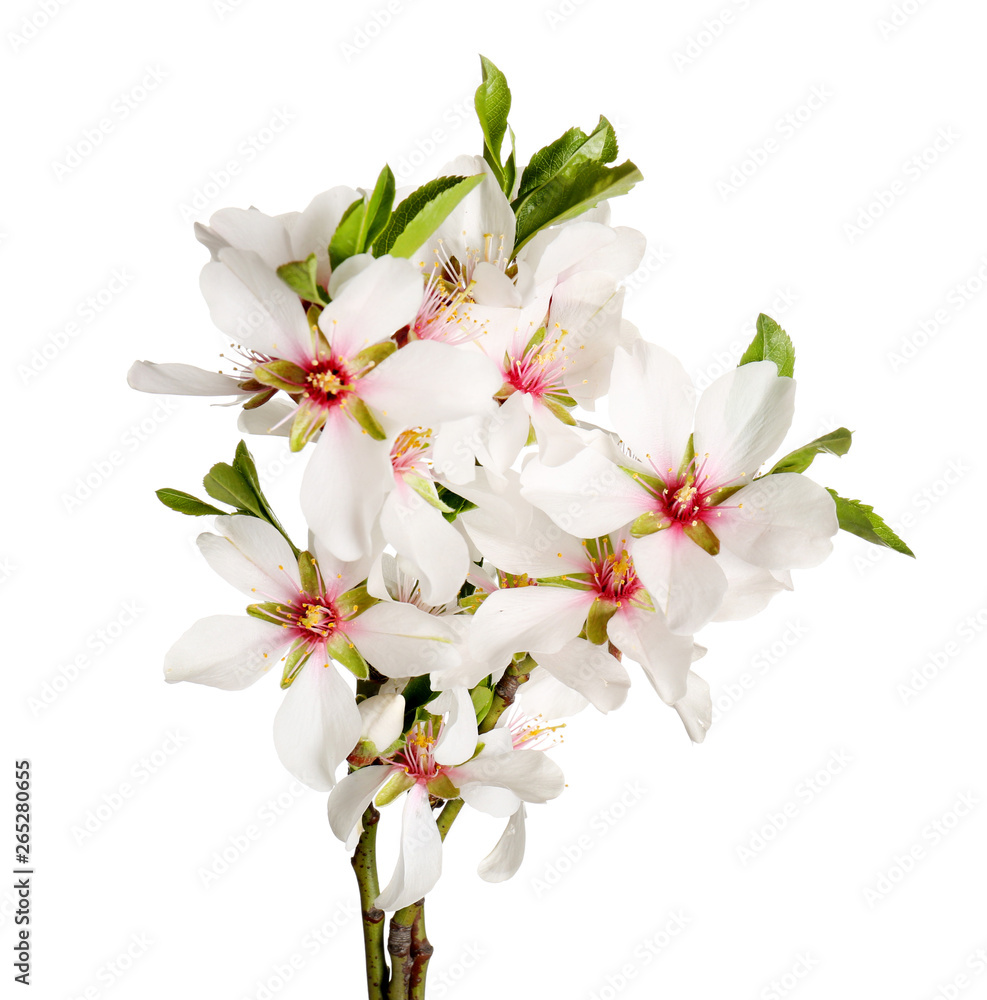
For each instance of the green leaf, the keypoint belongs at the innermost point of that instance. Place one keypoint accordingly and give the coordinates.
(834, 443)
(418, 692)
(568, 177)
(860, 520)
(482, 698)
(457, 505)
(225, 484)
(345, 242)
(300, 277)
(493, 104)
(185, 503)
(771, 343)
(421, 213)
(378, 209)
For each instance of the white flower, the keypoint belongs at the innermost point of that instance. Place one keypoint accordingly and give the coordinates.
(306, 625)
(700, 517)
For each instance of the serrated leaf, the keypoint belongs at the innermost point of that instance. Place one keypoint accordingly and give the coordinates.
(834, 443)
(345, 242)
(771, 343)
(225, 484)
(185, 503)
(378, 209)
(493, 104)
(860, 520)
(421, 213)
(300, 277)
(548, 161)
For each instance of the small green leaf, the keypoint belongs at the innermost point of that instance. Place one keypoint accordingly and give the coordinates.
(225, 484)
(457, 505)
(421, 213)
(417, 692)
(771, 343)
(493, 104)
(345, 242)
(834, 443)
(300, 277)
(860, 520)
(482, 698)
(185, 503)
(378, 209)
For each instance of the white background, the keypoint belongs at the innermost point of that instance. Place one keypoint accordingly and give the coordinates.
(650, 826)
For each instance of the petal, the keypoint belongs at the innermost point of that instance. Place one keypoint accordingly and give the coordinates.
(497, 802)
(652, 403)
(274, 417)
(529, 619)
(317, 725)
(344, 485)
(508, 431)
(420, 533)
(427, 383)
(529, 774)
(696, 708)
(664, 657)
(351, 797)
(458, 738)
(382, 719)
(741, 420)
(784, 521)
(253, 556)
(420, 861)
(402, 640)
(254, 307)
(224, 651)
(182, 380)
(312, 230)
(589, 496)
(749, 588)
(685, 581)
(505, 859)
(543, 695)
(554, 251)
(591, 670)
(250, 229)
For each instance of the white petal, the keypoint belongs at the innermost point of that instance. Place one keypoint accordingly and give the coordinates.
(529, 774)
(530, 619)
(508, 431)
(543, 695)
(554, 251)
(317, 725)
(420, 533)
(785, 522)
(274, 417)
(589, 496)
(496, 802)
(505, 859)
(591, 670)
(457, 741)
(741, 420)
(652, 404)
(399, 639)
(382, 719)
(684, 580)
(312, 230)
(664, 657)
(749, 588)
(181, 380)
(224, 651)
(253, 556)
(420, 861)
(617, 259)
(250, 229)
(696, 708)
(350, 798)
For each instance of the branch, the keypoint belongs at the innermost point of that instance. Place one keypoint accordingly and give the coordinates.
(364, 863)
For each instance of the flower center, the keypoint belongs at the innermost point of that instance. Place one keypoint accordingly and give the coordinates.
(614, 575)
(539, 370)
(410, 451)
(418, 756)
(328, 382)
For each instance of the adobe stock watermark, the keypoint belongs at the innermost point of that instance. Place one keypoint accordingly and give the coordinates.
(596, 830)
(932, 836)
(654, 261)
(85, 314)
(786, 128)
(120, 109)
(806, 791)
(140, 773)
(246, 151)
(31, 25)
(643, 954)
(707, 34)
(238, 844)
(954, 302)
(910, 173)
(104, 468)
(114, 969)
(792, 978)
(93, 646)
(939, 660)
(973, 969)
(427, 145)
(365, 34)
(899, 15)
(448, 976)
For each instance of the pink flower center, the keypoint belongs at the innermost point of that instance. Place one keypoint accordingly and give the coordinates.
(328, 382)
(540, 369)
(311, 618)
(410, 452)
(686, 497)
(417, 759)
(613, 575)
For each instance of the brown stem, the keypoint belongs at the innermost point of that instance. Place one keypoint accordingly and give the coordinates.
(421, 952)
(399, 948)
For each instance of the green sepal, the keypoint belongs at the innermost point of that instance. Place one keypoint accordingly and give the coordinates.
(575, 581)
(690, 454)
(537, 339)
(600, 613)
(345, 242)
(647, 524)
(284, 375)
(373, 355)
(421, 213)
(724, 493)
(442, 788)
(307, 422)
(354, 602)
(653, 483)
(834, 443)
(344, 652)
(771, 343)
(301, 276)
(307, 572)
(397, 784)
(260, 399)
(296, 659)
(185, 503)
(364, 416)
(860, 520)
(482, 698)
(493, 104)
(267, 611)
(426, 489)
(701, 533)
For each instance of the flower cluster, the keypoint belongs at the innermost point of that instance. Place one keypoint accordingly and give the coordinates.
(484, 557)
